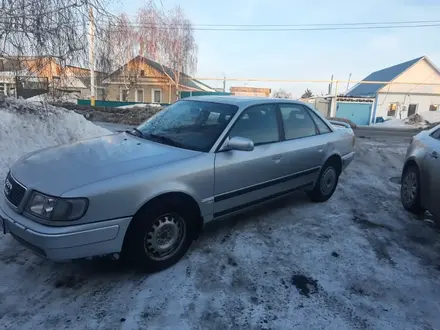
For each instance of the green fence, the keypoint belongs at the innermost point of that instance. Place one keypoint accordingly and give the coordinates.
(109, 104)
(188, 94)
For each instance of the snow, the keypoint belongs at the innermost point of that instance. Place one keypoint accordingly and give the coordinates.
(419, 120)
(431, 116)
(393, 123)
(365, 261)
(26, 126)
(64, 97)
(140, 105)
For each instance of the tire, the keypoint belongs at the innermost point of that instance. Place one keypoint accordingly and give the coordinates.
(153, 231)
(326, 184)
(410, 190)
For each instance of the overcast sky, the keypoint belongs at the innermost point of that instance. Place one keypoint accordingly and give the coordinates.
(310, 55)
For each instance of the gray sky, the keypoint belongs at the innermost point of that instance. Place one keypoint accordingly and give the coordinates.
(310, 55)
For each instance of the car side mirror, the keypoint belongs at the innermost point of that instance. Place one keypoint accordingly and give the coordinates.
(240, 143)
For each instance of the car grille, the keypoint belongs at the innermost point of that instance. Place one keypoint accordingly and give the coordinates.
(16, 191)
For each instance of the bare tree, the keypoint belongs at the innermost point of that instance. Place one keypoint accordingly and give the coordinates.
(35, 34)
(116, 46)
(282, 94)
(178, 48)
(55, 28)
(307, 93)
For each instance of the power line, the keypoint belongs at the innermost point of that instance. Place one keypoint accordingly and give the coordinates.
(296, 25)
(283, 29)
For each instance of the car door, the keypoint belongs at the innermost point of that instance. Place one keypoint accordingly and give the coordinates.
(305, 143)
(243, 178)
(432, 175)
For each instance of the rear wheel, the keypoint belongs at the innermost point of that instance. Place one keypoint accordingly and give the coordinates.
(326, 184)
(410, 190)
(159, 236)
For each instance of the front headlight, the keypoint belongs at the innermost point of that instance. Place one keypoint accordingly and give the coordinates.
(57, 209)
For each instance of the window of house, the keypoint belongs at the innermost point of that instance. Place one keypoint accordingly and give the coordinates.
(392, 109)
(297, 122)
(142, 73)
(140, 95)
(433, 107)
(322, 126)
(156, 96)
(259, 124)
(123, 95)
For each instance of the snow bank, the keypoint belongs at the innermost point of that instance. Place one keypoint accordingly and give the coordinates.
(392, 123)
(62, 97)
(27, 126)
(430, 116)
(140, 105)
(418, 120)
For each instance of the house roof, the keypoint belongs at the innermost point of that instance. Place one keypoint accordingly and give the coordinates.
(184, 79)
(387, 74)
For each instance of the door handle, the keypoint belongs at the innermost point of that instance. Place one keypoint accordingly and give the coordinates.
(434, 154)
(277, 158)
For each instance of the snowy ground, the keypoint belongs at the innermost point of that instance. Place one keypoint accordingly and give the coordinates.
(357, 261)
(420, 120)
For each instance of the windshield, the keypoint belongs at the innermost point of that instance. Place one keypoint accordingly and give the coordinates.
(194, 125)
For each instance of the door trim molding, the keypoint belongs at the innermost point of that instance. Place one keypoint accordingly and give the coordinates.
(266, 184)
(261, 200)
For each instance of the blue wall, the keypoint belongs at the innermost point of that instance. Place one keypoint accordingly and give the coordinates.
(358, 113)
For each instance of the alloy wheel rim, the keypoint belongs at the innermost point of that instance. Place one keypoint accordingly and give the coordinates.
(165, 237)
(409, 188)
(328, 181)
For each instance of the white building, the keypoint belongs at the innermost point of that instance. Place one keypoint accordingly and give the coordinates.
(401, 100)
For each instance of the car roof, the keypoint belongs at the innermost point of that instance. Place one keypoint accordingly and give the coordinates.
(240, 101)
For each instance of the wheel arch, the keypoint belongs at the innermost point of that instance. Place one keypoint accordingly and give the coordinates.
(409, 162)
(179, 197)
(335, 159)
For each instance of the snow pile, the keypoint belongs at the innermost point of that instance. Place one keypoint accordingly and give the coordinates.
(419, 120)
(424, 118)
(140, 105)
(61, 97)
(27, 126)
(392, 123)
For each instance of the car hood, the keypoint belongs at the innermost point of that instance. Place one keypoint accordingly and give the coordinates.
(59, 169)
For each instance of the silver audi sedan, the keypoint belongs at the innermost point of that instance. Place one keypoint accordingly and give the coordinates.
(420, 188)
(146, 194)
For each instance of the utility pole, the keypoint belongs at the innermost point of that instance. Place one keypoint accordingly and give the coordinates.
(92, 57)
(348, 82)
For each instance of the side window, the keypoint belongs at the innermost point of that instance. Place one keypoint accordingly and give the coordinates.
(436, 134)
(322, 126)
(258, 123)
(297, 121)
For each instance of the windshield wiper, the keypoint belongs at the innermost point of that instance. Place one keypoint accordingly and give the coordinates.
(135, 132)
(164, 139)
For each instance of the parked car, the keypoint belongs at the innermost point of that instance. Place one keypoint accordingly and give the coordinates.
(420, 189)
(147, 193)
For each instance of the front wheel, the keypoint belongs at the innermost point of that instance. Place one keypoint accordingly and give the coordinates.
(410, 190)
(326, 184)
(159, 236)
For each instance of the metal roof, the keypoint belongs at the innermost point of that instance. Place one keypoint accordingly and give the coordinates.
(387, 74)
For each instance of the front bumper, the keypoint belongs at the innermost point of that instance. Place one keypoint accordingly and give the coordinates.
(347, 159)
(64, 243)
